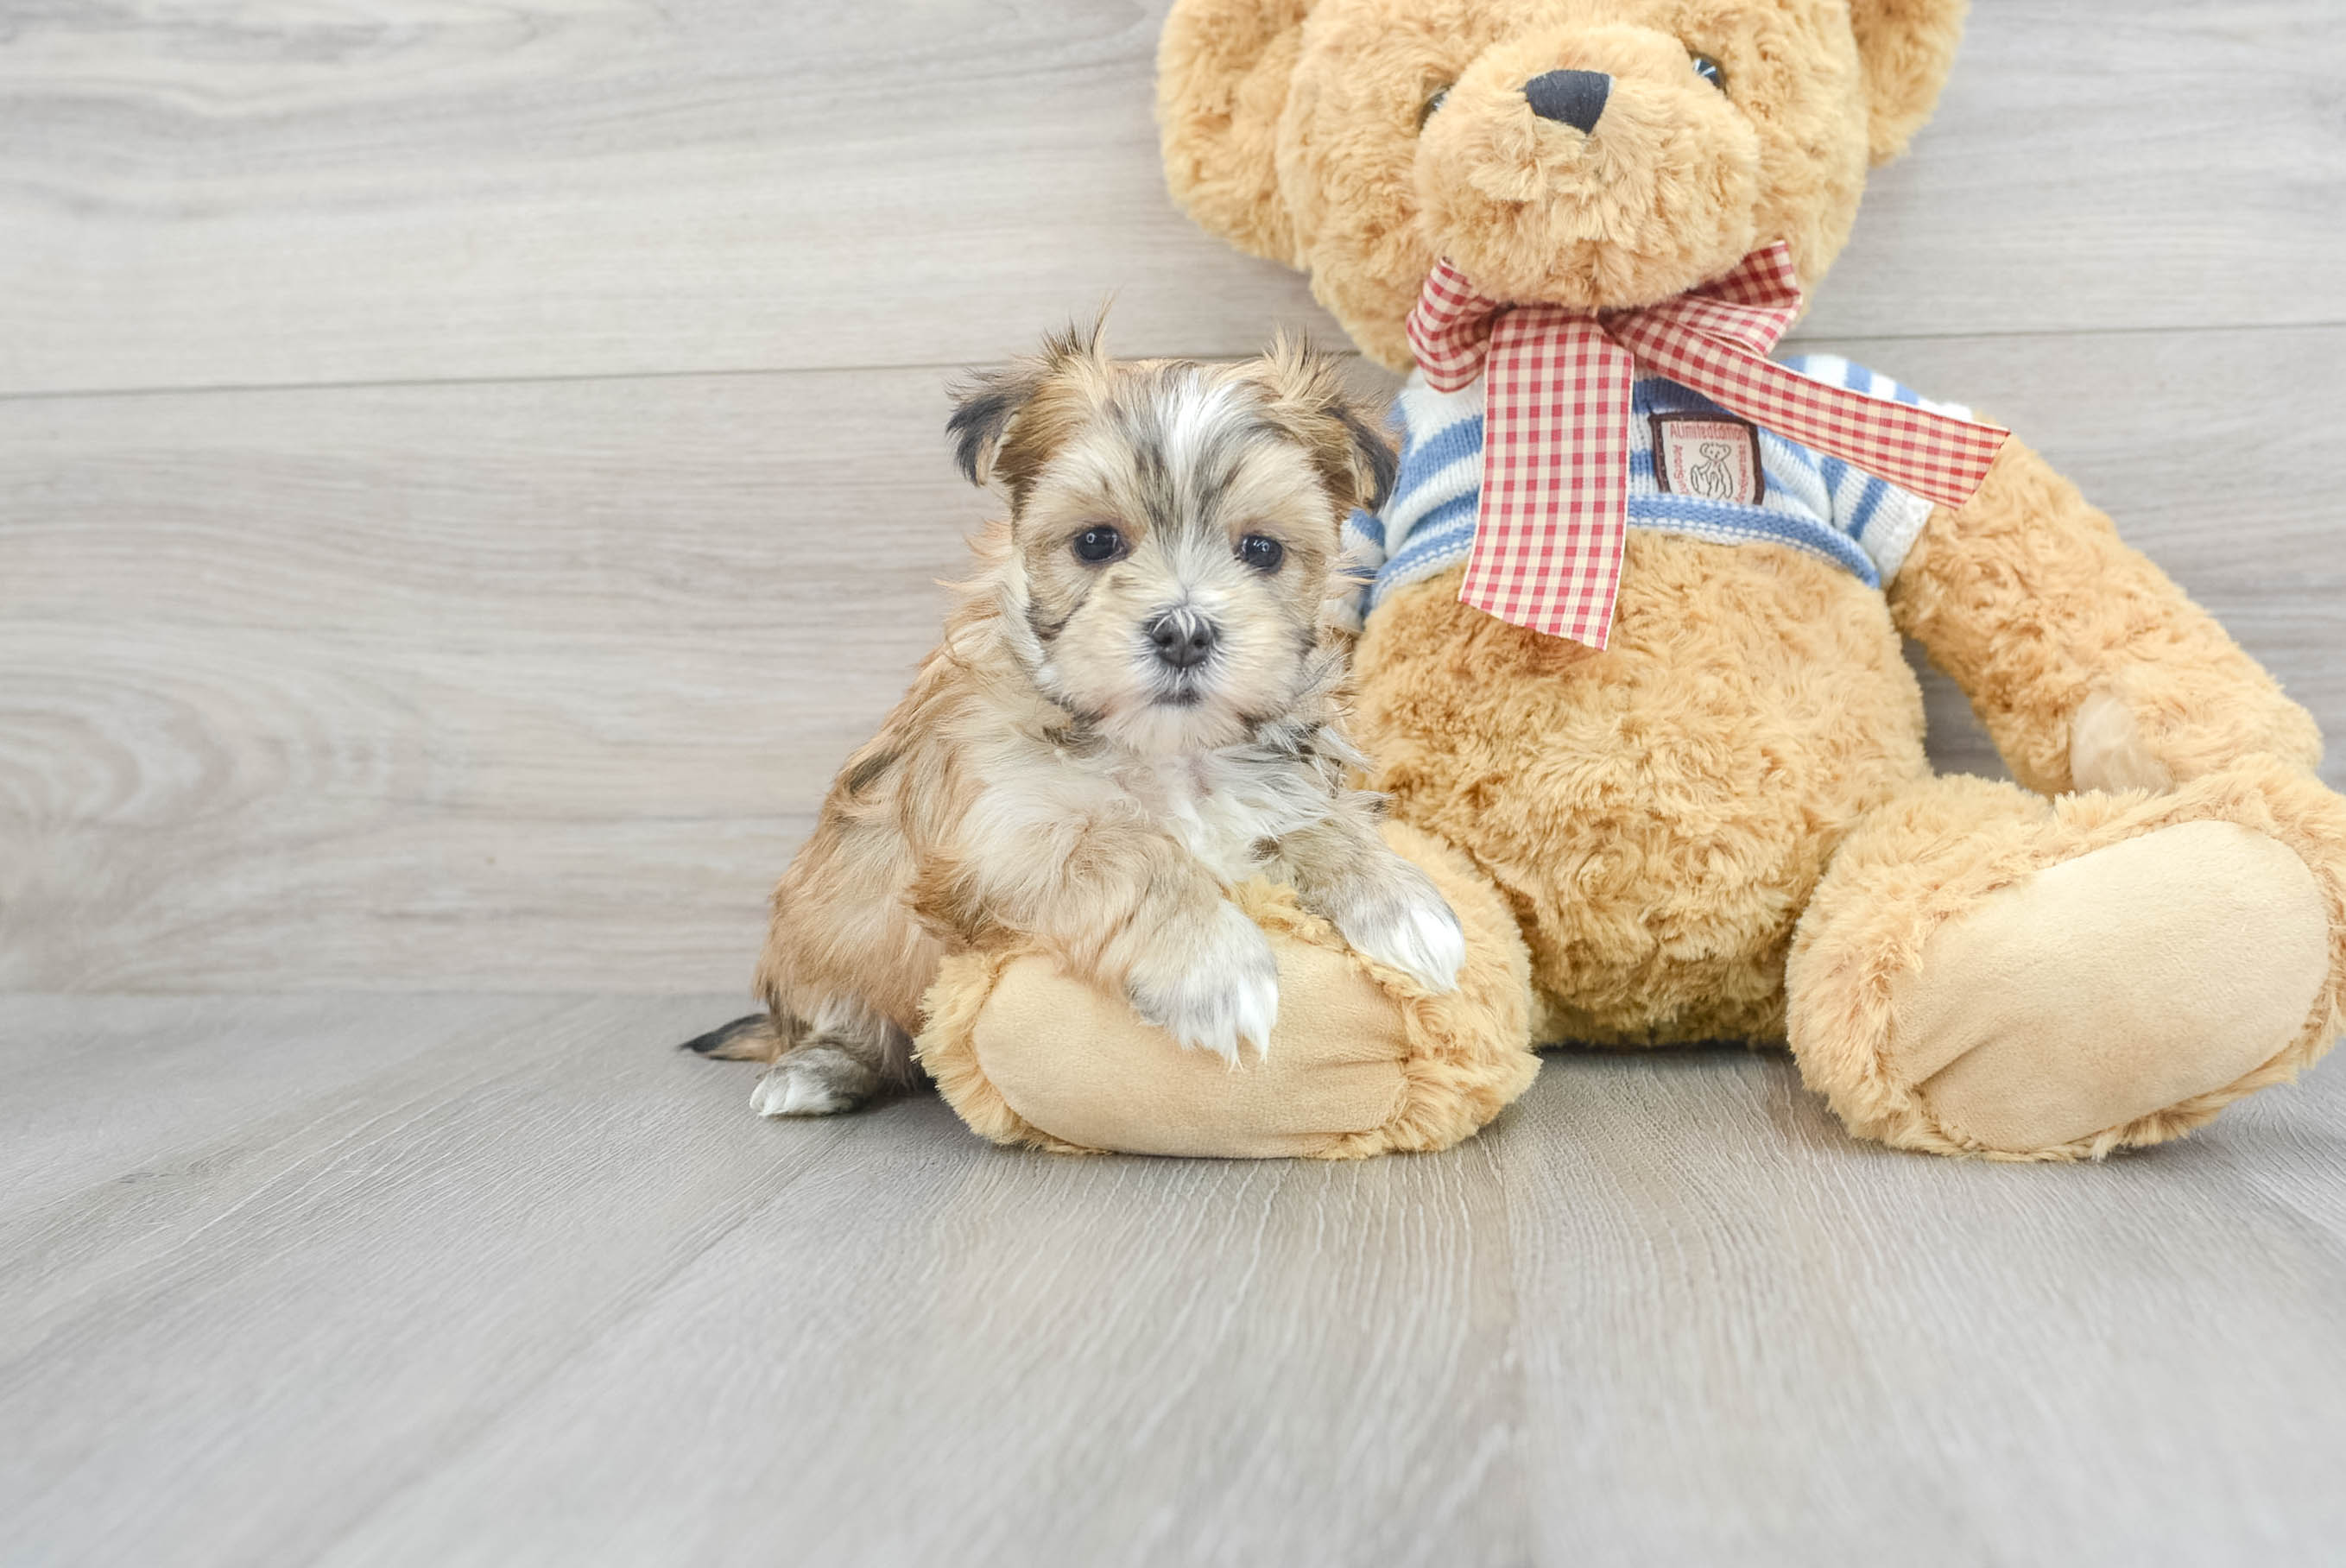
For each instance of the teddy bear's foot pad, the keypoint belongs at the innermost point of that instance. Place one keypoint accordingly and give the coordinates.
(2112, 986)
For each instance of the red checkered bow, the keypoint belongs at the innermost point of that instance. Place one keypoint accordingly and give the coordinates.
(1556, 435)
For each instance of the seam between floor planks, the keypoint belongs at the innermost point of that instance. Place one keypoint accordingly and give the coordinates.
(1329, 336)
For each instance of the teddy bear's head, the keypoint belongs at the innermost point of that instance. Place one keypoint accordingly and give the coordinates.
(1590, 153)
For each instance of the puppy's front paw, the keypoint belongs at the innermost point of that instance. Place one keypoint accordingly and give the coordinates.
(1211, 990)
(820, 1081)
(1407, 924)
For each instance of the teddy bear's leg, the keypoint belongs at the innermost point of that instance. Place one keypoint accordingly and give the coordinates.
(1365, 1059)
(1984, 970)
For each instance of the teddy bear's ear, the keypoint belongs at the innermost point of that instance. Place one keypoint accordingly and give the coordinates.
(1222, 70)
(1908, 47)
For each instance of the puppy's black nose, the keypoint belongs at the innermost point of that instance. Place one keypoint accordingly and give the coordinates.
(1576, 98)
(1182, 638)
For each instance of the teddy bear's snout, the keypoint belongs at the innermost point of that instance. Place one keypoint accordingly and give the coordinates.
(1575, 98)
(1594, 166)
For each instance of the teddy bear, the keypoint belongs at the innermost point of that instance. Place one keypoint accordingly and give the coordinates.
(1629, 663)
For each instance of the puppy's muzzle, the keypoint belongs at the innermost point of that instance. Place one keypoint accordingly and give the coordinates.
(1182, 638)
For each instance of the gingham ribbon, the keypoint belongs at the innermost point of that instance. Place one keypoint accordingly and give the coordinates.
(1555, 437)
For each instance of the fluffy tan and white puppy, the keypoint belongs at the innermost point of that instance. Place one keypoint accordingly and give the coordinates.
(1135, 704)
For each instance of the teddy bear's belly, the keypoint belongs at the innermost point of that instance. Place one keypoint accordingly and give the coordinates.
(1658, 813)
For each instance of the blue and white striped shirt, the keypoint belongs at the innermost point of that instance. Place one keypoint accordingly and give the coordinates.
(1809, 500)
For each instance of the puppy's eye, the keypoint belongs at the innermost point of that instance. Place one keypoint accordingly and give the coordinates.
(1099, 545)
(1425, 110)
(1261, 552)
(1709, 71)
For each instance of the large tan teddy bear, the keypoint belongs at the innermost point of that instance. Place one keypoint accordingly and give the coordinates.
(1705, 809)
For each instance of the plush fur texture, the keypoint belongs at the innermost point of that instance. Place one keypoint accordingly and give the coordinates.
(1659, 813)
(2097, 618)
(1946, 844)
(1723, 824)
(1300, 131)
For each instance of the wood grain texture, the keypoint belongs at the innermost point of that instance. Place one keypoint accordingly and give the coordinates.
(523, 676)
(536, 686)
(280, 194)
(534, 1290)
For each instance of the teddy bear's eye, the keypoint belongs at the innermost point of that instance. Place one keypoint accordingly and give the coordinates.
(1425, 112)
(1709, 71)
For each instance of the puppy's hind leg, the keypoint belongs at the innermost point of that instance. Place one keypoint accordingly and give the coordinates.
(840, 1059)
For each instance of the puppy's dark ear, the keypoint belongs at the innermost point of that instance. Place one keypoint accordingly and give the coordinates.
(1005, 423)
(984, 405)
(1375, 464)
(1343, 433)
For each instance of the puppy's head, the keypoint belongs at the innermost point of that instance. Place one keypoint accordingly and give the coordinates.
(1174, 531)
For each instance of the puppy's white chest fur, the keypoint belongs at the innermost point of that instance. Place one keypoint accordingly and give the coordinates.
(1035, 810)
(1222, 809)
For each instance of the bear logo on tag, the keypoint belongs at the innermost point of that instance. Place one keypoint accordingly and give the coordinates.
(1712, 456)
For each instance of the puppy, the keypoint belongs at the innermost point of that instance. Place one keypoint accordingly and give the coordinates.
(1135, 704)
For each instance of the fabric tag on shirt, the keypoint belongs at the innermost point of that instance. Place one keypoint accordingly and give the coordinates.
(1711, 455)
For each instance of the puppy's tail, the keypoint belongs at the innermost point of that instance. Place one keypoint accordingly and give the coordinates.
(749, 1038)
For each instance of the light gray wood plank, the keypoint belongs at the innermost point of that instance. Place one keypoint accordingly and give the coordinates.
(542, 1291)
(118, 1091)
(1839, 1347)
(535, 687)
(362, 666)
(228, 1354)
(269, 195)
(1096, 1362)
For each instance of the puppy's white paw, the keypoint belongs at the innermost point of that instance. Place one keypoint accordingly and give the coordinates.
(1411, 927)
(814, 1083)
(1213, 991)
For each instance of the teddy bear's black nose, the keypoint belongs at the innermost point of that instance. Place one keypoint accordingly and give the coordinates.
(1576, 98)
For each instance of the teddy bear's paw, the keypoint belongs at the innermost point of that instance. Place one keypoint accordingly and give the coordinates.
(1404, 923)
(819, 1081)
(2113, 987)
(1214, 991)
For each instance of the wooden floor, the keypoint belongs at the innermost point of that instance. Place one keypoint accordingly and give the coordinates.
(468, 473)
(491, 1280)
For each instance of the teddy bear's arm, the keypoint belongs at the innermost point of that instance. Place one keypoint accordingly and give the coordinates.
(2090, 668)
